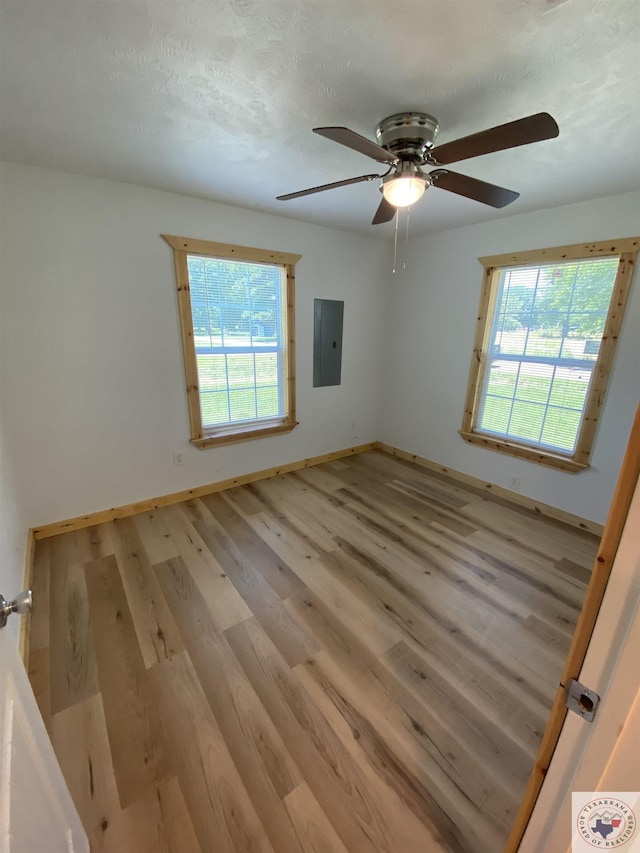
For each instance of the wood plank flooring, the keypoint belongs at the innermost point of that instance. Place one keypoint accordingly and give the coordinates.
(355, 657)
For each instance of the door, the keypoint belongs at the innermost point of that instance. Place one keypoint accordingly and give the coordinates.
(601, 755)
(36, 810)
(595, 633)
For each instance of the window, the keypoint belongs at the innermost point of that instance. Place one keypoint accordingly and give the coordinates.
(547, 328)
(237, 322)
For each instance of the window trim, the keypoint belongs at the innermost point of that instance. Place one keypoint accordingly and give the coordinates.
(626, 251)
(227, 433)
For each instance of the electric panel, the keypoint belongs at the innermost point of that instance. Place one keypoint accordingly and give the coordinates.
(327, 341)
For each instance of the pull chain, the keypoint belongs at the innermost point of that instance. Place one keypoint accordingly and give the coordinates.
(395, 244)
(406, 240)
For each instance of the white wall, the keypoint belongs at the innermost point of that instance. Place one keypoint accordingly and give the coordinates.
(95, 392)
(432, 308)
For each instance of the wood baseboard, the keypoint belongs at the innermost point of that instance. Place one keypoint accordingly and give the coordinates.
(81, 521)
(25, 621)
(498, 491)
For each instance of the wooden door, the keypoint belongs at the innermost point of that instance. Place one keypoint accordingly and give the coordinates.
(616, 519)
(36, 810)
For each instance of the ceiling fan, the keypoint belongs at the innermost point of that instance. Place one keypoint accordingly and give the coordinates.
(405, 142)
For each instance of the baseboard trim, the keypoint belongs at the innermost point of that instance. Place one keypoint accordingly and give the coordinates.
(25, 621)
(490, 488)
(79, 522)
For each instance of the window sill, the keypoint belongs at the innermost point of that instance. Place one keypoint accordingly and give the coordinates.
(542, 457)
(246, 433)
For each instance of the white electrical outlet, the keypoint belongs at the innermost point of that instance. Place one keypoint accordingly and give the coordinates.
(178, 459)
(515, 484)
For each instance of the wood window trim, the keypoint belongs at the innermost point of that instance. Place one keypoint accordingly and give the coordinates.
(626, 250)
(203, 437)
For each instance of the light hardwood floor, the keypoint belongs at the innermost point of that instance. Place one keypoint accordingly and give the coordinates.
(355, 657)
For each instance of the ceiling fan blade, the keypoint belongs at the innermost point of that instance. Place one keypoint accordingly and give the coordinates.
(522, 132)
(358, 143)
(385, 212)
(473, 188)
(324, 187)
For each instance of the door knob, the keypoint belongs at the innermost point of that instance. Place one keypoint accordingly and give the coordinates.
(22, 604)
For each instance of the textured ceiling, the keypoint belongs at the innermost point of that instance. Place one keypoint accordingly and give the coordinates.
(217, 99)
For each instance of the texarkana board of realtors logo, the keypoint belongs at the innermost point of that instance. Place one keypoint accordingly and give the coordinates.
(605, 821)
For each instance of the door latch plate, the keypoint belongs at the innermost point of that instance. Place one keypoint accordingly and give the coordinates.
(581, 700)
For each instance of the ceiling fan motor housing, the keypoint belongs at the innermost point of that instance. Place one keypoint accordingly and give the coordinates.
(410, 136)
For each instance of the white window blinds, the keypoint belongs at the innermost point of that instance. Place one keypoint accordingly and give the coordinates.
(239, 338)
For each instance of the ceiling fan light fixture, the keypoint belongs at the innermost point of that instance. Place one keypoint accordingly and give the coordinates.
(405, 190)
(405, 142)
